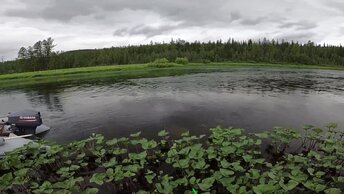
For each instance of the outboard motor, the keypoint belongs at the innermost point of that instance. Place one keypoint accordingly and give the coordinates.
(24, 122)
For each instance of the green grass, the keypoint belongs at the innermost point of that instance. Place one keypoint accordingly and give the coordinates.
(130, 72)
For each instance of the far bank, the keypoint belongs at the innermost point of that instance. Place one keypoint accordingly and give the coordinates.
(122, 72)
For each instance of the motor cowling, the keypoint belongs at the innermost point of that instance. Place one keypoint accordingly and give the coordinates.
(25, 122)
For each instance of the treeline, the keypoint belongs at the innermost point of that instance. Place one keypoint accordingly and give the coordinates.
(269, 51)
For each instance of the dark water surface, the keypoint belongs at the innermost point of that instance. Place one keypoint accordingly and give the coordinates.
(255, 99)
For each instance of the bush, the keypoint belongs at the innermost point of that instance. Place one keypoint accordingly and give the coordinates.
(182, 60)
(206, 61)
(161, 63)
(227, 160)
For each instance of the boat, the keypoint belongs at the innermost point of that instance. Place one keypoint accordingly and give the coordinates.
(12, 142)
(17, 128)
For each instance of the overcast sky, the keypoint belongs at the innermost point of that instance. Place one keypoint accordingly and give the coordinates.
(80, 24)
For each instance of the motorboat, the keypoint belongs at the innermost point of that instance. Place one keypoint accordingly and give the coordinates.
(18, 128)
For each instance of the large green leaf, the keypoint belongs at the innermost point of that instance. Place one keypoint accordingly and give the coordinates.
(110, 163)
(200, 164)
(139, 156)
(225, 164)
(149, 145)
(226, 173)
(333, 191)
(228, 150)
(206, 184)
(289, 186)
(90, 191)
(314, 186)
(150, 176)
(264, 189)
(98, 178)
(136, 134)
(184, 163)
(163, 133)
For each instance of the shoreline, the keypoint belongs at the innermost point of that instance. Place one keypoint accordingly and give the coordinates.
(123, 72)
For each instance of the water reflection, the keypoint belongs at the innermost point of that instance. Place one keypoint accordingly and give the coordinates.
(249, 98)
(50, 98)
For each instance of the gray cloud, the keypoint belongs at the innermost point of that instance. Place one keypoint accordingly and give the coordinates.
(96, 24)
(302, 37)
(5, 52)
(148, 31)
(193, 12)
(22, 13)
(254, 21)
(56, 10)
(341, 31)
(151, 31)
(335, 4)
(299, 25)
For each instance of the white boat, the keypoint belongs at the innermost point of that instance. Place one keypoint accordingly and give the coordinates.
(12, 142)
(17, 127)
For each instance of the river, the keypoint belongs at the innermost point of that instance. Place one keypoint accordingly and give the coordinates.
(255, 99)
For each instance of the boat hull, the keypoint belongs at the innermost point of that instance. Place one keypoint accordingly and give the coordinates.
(11, 143)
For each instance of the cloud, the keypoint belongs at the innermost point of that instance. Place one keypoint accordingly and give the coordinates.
(148, 31)
(254, 21)
(299, 25)
(336, 5)
(96, 24)
(193, 12)
(302, 37)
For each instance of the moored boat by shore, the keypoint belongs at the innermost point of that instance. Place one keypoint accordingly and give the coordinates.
(18, 127)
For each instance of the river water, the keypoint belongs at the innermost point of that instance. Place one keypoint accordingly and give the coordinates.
(255, 99)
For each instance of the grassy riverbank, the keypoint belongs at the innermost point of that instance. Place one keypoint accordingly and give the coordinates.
(131, 72)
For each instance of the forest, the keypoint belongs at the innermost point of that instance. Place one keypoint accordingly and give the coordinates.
(41, 56)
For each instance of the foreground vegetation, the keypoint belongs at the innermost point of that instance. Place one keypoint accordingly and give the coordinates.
(119, 72)
(226, 161)
(41, 56)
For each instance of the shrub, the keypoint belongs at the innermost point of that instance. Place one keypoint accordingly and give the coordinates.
(182, 60)
(206, 61)
(160, 63)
